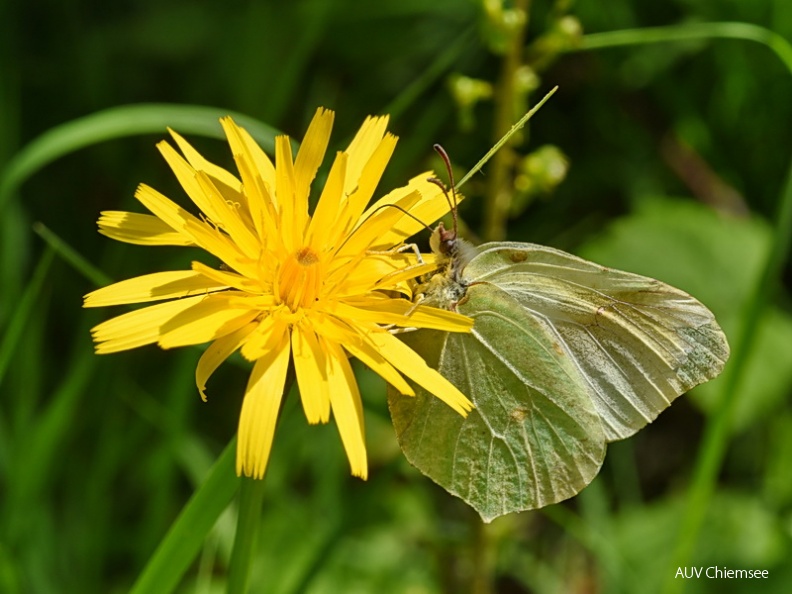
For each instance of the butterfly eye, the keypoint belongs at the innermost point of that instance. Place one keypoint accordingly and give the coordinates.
(449, 244)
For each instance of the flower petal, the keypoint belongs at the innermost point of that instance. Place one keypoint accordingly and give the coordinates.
(222, 178)
(369, 178)
(139, 229)
(258, 341)
(311, 367)
(311, 153)
(403, 313)
(372, 229)
(432, 206)
(242, 143)
(329, 327)
(258, 177)
(347, 408)
(362, 147)
(413, 366)
(327, 210)
(231, 219)
(290, 223)
(232, 279)
(152, 287)
(139, 327)
(207, 320)
(217, 352)
(261, 404)
(208, 238)
(187, 179)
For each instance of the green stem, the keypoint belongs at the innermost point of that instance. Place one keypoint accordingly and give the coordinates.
(715, 440)
(499, 189)
(248, 521)
(483, 553)
(251, 497)
(504, 139)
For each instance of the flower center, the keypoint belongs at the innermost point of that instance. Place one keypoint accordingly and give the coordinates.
(300, 279)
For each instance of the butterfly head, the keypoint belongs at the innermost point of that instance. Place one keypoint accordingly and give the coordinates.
(443, 242)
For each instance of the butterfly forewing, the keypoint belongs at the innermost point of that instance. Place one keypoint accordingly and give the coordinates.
(637, 342)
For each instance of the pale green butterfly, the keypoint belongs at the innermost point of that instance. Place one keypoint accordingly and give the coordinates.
(565, 356)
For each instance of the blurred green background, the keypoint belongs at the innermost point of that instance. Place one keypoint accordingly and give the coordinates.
(666, 159)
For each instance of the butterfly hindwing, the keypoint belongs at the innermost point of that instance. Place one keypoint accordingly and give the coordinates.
(534, 437)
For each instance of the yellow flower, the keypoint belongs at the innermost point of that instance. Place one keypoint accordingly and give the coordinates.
(291, 286)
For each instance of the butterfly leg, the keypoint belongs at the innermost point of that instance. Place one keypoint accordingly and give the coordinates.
(393, 329)
(405, 247)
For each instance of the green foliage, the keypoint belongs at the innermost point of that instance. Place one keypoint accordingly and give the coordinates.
(100, 455)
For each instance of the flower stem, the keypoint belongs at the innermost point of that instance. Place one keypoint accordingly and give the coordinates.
(251, 496)
(499, 189)
(482, 558)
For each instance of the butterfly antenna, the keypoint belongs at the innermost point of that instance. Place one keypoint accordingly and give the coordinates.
(453, 203)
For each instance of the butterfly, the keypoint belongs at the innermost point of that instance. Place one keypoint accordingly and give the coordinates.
(564, 357)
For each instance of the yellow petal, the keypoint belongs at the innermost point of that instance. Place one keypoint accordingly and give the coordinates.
(231, 219)
(210, 239)
(242, 143)
(258, 177)
(187, 179)
(311, 154)
(371, 230)
(231, 279)
(347, 409)
(362, 147)
(206, 320)
(413, 366)
(403, 313)
(138, 328)
(290, 224)
(228, 184)
(408, 271)
(328, 208)
(310, 365)
(258, 342)
(260, 407)
(217, 352)
(430, 208)
(333, 329)
(361, 274)
(204, 194)
(199, 163)
(369, 178)
(140, 229)
(152, 287)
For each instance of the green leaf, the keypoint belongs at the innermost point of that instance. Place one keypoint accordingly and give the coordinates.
(117, 122)
(185, 538)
